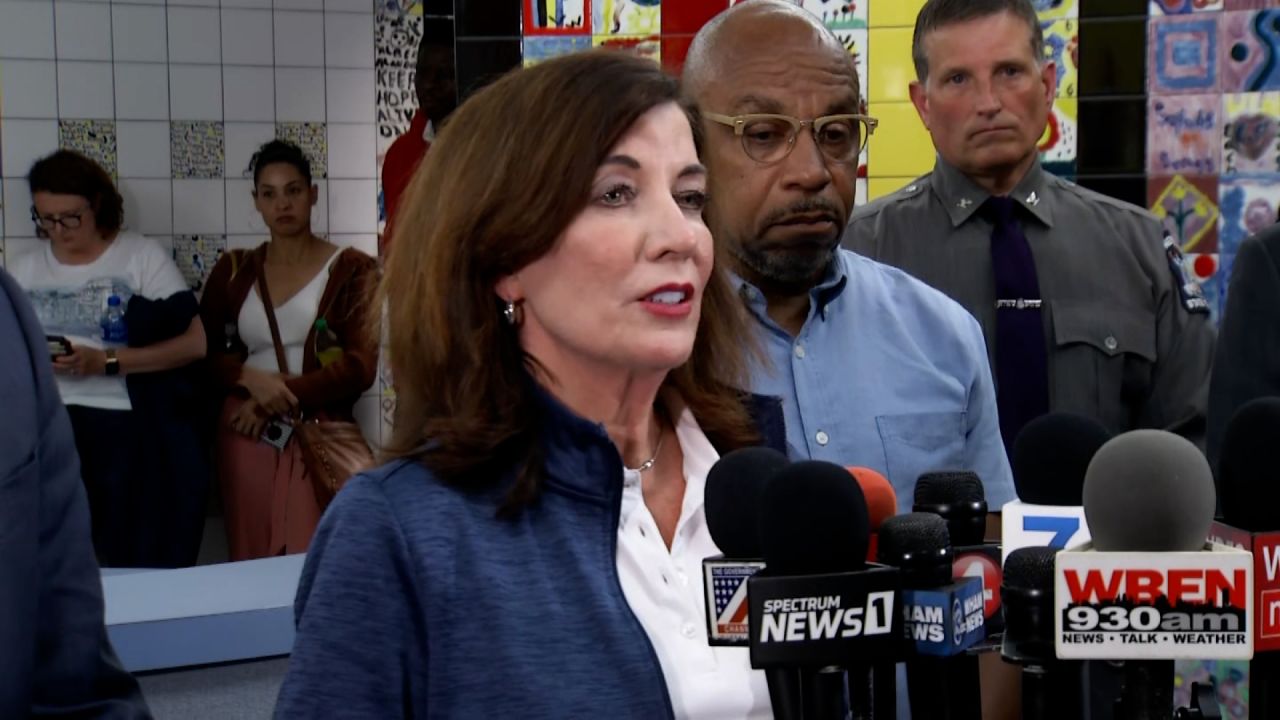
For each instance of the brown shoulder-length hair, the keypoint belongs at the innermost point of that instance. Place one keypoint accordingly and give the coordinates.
(509, 172)
(67, 172)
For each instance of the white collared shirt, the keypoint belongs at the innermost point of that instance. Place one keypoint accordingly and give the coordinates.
(664, 590)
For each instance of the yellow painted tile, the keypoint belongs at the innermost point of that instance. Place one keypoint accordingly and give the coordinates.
(879, 187)
(901, 146)
(889, 64)
(893, 13)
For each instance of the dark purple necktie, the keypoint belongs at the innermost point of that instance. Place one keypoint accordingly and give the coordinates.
(1022, 368)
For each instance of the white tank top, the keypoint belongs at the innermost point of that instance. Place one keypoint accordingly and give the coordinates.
(295, 319)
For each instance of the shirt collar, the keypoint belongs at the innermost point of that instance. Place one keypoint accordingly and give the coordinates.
(963, 197)
(820, 296)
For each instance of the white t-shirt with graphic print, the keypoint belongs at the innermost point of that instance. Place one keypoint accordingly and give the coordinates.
(71, 299)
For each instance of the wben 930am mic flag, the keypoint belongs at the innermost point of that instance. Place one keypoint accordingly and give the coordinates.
(1149, 588)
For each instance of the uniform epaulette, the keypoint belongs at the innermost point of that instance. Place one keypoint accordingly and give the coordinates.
(1088, 195)
(910, 190)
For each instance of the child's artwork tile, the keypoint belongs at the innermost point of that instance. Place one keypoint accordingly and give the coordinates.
(1060, 140)
(95, 139)
(649, 46)
(196, 255)
(1188, 208)
(839, 14)
(1250, 51)
(538, 48)
(1183, 54)
(1056, 9)
(550, 17)
(626, 17)
(1184, 7)
(1251, 133)
(197, 149)
(1184, 134)
(1248, 206)
(686, 17)
(1062, 46)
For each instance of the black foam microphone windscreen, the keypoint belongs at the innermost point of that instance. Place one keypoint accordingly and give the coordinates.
(813, 520)
(1050, 457)
(1148, 491)
(1250, 494)
(732, 498)
(957, 496)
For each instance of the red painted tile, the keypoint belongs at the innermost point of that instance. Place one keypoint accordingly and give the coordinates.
(688, 16)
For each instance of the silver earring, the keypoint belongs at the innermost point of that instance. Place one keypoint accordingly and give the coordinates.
(514, 312)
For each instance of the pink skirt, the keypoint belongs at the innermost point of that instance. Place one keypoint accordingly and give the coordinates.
(270, 506)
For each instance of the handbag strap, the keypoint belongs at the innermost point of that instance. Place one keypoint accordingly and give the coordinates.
(267, 306)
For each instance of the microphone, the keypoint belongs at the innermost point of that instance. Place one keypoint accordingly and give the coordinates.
(1147, 589)
(942, 618)
(868, 682)
(959, 498)
(882, 502)
(817, 608)
(1250, 501)
(731, 504)
(1050, 457)
(1051, 688)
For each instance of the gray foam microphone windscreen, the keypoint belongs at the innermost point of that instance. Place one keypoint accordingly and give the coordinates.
(1148, 490)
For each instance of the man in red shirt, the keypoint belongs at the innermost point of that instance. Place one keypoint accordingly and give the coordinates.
(436, 87)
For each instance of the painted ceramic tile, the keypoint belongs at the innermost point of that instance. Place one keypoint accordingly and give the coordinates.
(399, 7)
(195, 256)
(1250, 4)
(626, 17)
(95, 139)
(313, 138)
(1055, 9)
(1183, 54)
(1251, 51)
(1251, 133)
(395, 40)
(1060, 140)
(542, 17)
(1182, 7)
(1188, 208)
(839, 14)
(646, 47)
(1062, 46)
(1183, 134)
(544, 47)
(1248, 205)
(197, 149)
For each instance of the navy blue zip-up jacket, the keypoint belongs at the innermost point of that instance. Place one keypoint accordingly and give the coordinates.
(417, 602)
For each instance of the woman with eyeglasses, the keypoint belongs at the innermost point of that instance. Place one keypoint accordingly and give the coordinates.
(91, 269)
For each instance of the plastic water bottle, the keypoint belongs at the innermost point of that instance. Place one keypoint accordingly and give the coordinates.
(113, 329)
(328, 351)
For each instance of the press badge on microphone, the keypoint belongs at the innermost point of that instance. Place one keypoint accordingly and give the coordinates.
(1189, 291)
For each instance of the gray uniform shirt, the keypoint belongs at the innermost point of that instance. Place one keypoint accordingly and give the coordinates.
(1129, 344)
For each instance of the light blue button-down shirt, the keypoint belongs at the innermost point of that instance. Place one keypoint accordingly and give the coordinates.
(886, 373)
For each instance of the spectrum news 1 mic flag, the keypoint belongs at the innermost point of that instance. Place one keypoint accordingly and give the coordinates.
(1154, 605)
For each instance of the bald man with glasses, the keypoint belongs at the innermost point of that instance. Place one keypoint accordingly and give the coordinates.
(874, 367)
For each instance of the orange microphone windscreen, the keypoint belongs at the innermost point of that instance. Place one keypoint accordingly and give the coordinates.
(882, 502)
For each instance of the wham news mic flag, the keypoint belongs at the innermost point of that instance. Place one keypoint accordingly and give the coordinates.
(1265, 547)
(944, 621)
(1154, 605)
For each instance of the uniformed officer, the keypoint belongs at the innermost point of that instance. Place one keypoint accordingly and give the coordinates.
(1084, 302)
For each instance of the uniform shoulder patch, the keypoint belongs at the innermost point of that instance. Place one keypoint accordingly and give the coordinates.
(1189, 291)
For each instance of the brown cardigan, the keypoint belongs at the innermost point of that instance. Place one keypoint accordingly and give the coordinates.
(332, 390)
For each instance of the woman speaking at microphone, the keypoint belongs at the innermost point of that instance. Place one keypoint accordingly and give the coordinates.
(565, 353)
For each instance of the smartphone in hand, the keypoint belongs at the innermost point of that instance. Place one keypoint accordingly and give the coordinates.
(59, 346)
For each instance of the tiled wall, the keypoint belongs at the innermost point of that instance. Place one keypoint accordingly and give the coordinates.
(1168, 103)
(1212, 160)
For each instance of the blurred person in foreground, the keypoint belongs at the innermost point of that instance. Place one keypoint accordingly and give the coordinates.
(55, 658)
(566, 354)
